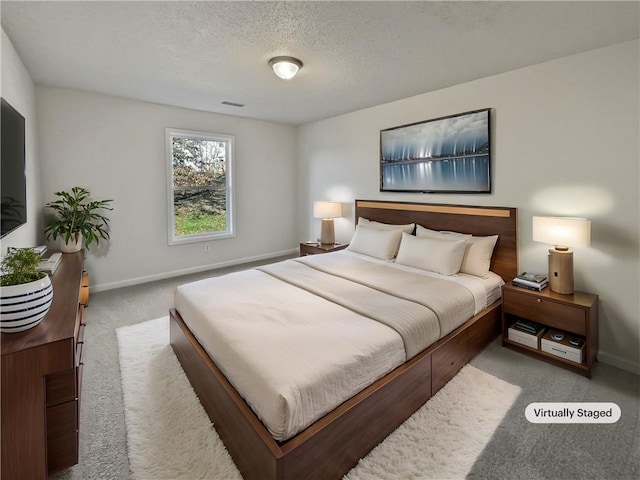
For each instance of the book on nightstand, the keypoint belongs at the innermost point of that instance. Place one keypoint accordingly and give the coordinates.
(528, 326)
(532, 281)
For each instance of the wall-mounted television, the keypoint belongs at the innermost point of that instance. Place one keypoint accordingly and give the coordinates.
(444, 155)
(12, 169)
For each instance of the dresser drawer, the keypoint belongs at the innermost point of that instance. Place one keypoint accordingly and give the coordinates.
(62, 420)
(61, 387)
(546, 311)
(81, 328)
(80, 346)
(78, 333)
(62, 452)
(84, 289)
(79, 352)
(79, 380)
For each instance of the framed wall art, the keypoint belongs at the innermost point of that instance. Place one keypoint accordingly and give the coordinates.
(444, 155)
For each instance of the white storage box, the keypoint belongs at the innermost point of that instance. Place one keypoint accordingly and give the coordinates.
(524, 338)
(563, 348)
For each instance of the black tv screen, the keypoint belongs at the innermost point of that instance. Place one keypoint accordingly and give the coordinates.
(13, 169)
(444, 155)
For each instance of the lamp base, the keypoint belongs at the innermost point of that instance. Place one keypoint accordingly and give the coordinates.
(327, 233)
(561, 271)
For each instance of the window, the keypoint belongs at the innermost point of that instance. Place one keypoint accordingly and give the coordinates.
(200, 186)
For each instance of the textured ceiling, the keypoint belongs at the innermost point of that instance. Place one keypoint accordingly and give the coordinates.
(355, 54)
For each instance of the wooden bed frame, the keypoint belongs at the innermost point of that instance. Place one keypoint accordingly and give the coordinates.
(331, 446)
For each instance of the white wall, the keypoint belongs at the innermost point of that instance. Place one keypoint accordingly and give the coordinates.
(116, 148)
(17, 88)
(565, 142)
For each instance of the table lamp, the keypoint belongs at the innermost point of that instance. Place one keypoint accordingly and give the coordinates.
(327, 211)
(562, 232)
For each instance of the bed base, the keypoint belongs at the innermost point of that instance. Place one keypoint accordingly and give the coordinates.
(331, 446)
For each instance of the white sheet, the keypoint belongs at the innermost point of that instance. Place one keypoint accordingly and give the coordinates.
(293, 355)
(451, 303)
(290, 366)
(416, 323)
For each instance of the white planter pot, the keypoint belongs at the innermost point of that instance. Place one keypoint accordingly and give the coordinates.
(23, 306)
(72, 246)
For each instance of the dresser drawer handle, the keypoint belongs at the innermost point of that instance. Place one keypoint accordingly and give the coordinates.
(539, 301)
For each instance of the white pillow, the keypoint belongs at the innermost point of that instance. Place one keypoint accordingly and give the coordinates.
(426, 233)
(386, 226)
(434, 254)
(477, 257)
(375, 243)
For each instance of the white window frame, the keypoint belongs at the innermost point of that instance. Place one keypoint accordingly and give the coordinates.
(230, 231)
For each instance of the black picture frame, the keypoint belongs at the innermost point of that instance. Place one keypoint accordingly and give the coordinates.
(449, 154)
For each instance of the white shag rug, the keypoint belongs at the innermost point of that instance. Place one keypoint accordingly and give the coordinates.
(169, 435)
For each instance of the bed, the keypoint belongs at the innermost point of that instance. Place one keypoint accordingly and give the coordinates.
(327, 447)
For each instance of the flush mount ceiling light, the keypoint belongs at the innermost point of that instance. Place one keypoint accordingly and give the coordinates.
(285, 67)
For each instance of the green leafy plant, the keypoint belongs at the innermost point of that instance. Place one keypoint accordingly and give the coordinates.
(77, 214)
(19, 266)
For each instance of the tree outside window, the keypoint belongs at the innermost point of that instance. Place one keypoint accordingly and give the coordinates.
(200, 187)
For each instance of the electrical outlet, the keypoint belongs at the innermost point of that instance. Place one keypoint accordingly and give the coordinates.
(207, 247)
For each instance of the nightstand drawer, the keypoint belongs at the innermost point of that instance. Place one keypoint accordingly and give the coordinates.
(542, 310)
(562, 348)
(317, 248)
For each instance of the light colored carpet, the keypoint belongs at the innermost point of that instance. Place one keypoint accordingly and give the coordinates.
(169, 435)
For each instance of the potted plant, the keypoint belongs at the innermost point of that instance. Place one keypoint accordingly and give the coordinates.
(78, 217)
(26, 293)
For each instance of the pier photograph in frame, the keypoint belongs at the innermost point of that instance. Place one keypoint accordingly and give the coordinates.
(444, 155)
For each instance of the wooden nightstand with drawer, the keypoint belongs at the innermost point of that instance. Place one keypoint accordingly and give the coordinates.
(317, 248)
(573, 316)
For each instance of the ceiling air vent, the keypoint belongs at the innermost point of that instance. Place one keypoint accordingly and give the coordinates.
(232, 104)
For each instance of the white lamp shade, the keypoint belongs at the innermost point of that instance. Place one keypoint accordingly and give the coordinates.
(285, 67)
(562, 231)
(327, 209)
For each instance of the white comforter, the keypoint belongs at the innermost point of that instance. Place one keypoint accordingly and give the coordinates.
(300, 337)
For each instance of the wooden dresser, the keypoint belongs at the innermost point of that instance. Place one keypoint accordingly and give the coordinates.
(41, 380)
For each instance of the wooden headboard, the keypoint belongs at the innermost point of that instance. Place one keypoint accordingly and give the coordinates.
(481, 221)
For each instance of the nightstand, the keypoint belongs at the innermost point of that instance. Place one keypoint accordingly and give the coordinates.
(316, 248)
(574, 316)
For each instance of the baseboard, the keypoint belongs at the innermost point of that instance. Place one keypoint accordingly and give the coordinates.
(201, 268)
(616, 361)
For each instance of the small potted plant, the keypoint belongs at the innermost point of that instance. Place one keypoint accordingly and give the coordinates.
(26, 293)
(78, 218)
